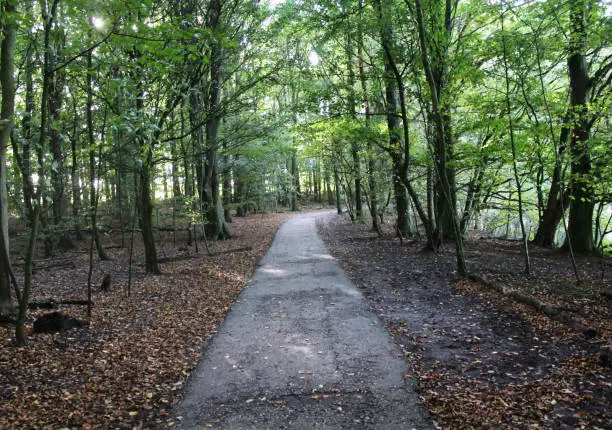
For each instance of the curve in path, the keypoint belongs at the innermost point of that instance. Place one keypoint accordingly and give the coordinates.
(301, 350)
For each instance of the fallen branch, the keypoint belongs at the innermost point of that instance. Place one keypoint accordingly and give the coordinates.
(550, 311)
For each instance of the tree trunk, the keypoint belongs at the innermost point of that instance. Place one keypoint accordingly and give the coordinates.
(146, 208)
(56, 101)
(227, 186)
(7, 80)
(517, 180)
(176, 186)
(74, 177)
(371, 158)
(337, 188)
(580, 224)
(92, 163)
(437, 114)
(351, 101)
(330, 194)
(296, 181)
(396, 143)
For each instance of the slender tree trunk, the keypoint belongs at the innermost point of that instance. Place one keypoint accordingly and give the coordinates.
(56, 101)
(399, 134)
(370, 147)
(74, 177)
(20, 336)
(337, 188)
(514, 155)
(351, 101)
(145, 204)
(49, 12)
(26, 123)
(93, 199)
(146, 207)
(439, 123)
(227, 186)
(330, 194)
(7, 80)
(472, 197)
(296, 181)
(176, 185)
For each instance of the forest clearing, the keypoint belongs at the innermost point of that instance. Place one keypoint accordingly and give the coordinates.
(150, 149)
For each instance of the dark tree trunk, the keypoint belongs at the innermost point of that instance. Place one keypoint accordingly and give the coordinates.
(351, 100)
(551, 216)
(26, 123)
(74, 176)
(146, 208)
(580, 224)
(56, 101)
(176, 186)
(400, 168)
(330, 194)
(227, 186)
(337, 188)
(7, 64)
(438, 113)
(373, 189)
(92, 163)
(296, 181)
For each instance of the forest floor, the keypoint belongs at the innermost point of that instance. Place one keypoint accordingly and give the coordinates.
(128, 367)
(483, 360)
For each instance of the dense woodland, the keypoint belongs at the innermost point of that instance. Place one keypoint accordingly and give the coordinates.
(441, 116)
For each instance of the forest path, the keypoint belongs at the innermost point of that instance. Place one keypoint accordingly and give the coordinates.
(301, 350)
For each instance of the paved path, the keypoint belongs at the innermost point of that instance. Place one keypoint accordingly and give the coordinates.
(301, 350)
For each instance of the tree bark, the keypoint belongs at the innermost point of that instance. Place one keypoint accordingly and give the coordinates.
(580, 224)
(517, 180)
(398, 147)
(92, 163)
(296, 181)
(56, 101)
(437, 114)
(7, 80)
(227, 186)
(557, 199)
(370, 147)
(337, 188)
(74, 175)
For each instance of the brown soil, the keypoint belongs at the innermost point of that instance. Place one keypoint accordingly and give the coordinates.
(481, 359)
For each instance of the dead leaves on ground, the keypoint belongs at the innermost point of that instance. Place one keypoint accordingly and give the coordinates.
(480, 359)
(128, 368)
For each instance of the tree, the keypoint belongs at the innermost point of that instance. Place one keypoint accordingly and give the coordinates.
(7, 80)
(442, 146)
(580, 224)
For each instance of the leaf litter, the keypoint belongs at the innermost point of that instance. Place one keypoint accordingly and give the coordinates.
(127, 369)
(478, 358)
